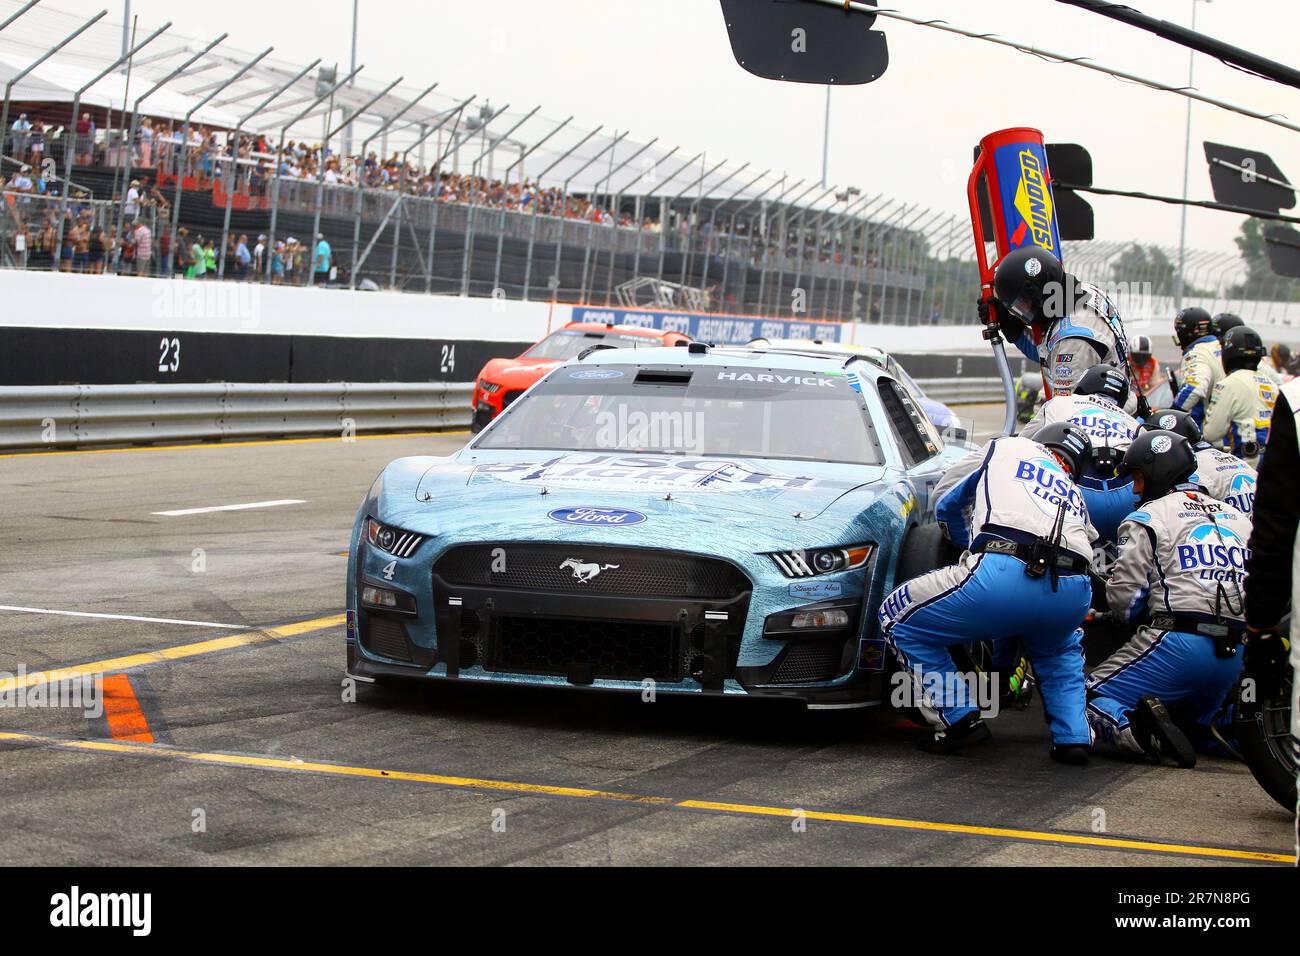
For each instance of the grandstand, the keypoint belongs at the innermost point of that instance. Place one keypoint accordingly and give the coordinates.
(238, 165)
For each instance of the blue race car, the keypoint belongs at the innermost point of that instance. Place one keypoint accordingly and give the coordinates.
(712, 520)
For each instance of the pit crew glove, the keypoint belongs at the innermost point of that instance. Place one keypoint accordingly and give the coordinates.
(992, 314)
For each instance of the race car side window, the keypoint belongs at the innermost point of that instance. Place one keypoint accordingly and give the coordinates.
(907, 422)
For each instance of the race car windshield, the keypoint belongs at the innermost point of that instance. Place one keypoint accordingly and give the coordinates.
(708, 411)
(567, 343)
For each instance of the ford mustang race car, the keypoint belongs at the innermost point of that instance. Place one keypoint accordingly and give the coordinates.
(715, 520)
(505, 379)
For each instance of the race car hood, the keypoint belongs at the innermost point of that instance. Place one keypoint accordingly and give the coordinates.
(663, 500)
(516, 373)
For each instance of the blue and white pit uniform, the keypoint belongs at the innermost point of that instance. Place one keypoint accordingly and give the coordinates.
(1202, 370)
(1180, 573)
(1009, 492)
(1109, 499)
(1226, 477)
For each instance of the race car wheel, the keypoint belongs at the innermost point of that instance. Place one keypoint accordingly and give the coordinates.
(1263, 731)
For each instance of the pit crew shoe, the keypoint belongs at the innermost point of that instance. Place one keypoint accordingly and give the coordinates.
(966, 732)
(1158, 735)
(1076, 755)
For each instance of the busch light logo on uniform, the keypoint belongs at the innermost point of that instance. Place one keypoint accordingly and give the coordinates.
(602, 517)
(1047, 482)
(1214, 553)
(1241, 495)
(1106, 427)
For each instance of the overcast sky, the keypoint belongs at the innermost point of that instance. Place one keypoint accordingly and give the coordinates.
(664, 68)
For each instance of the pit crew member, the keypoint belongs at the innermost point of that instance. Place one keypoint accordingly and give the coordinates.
(1065, 325)
(1097, 406)
(1226, 477)
(1180, 576)
(1194, 333)
(1015, 509)
(1241, 406)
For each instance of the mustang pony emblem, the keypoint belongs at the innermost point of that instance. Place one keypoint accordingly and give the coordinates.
(585, 572)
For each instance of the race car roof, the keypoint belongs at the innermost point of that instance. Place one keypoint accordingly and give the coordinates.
(731, 356)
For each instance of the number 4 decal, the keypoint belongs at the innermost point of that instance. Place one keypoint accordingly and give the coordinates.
(389, 570)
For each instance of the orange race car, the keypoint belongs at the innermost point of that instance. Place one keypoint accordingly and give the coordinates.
(505, 379)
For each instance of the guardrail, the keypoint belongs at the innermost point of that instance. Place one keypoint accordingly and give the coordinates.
(67, 416)
(962, 391)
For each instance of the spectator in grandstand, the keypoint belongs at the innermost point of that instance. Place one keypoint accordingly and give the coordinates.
(81, 244)
(209, 259)
(198, 265)
(143, 239)
(259, 256)
(100, 244)
(182, 261)
(243, 258)
(321, 258)
(37, 148)
(20, 141)
(85, 149)
(144, 143)
(277, 264)
(131, 208)
(22, 183)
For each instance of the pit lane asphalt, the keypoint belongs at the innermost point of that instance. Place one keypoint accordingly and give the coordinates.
(569, 777)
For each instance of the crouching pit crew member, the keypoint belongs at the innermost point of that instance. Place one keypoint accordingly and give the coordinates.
(1014, 507)
(1226, 477)
(1097, 406)
(1179, 576)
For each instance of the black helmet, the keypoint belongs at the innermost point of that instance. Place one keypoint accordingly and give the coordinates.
(1191, 324)
(1165, 460)
(1243, 348)
(1023, 281)
(1225, 322)
(1140, 349)
(1104, 380)
(1070, 441)
(1173, 420)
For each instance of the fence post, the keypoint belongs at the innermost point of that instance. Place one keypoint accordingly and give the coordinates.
(68, 154)
(279, 154)
(232, 172)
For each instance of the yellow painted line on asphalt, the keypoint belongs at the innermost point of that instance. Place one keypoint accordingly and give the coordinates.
(293, 764)
(176, 653)
(224, 444)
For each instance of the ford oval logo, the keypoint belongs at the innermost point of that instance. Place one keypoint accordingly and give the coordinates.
(596, 517)
(588, 374)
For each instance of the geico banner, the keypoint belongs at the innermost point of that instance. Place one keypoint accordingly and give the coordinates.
(720, 329)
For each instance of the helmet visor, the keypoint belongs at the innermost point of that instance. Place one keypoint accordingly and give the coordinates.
(1024, 307)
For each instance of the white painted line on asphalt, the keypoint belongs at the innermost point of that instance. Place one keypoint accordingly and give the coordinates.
(120, 617)
(251, 504)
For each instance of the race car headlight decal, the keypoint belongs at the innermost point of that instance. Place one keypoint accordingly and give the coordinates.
(490, 387)
(832, 618)
(394, 541)
(387, 599)
(810, 562)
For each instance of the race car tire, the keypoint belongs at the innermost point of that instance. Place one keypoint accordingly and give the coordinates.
(1261, 726)
(924, 549)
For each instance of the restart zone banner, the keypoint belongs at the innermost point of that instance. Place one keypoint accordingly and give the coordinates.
(719, 329)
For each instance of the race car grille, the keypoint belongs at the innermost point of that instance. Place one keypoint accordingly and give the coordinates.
(616, 650)
(809, 662)
(591, 570)
(385, 637)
